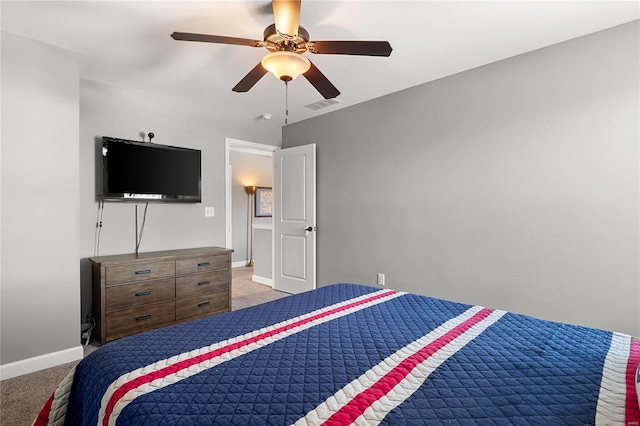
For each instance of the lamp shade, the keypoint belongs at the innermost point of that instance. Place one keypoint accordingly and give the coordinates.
(250, 189)
(286, 65)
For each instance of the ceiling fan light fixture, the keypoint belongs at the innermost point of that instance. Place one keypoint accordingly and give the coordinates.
(286, 66)
(286, 14)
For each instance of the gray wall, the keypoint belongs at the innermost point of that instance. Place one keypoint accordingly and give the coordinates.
(51, 123)
(39, 294)
(125, 113)
(514, 185)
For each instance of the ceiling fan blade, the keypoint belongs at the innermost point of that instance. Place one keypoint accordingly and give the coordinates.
(250, 79)
(207, 38)
(365, 48)
(321, 83)
(286, 14)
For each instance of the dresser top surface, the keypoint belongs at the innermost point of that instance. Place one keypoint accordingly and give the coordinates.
(160, 255)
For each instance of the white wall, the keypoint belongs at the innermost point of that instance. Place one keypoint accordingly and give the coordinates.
(39, 295)
(247, 169)
(514, 185)
(263, 253)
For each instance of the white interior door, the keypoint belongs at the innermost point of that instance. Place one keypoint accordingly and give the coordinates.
(294, 221)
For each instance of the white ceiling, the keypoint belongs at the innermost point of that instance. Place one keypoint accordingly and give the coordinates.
(127, 43)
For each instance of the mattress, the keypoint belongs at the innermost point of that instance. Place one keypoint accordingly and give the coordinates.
(351, 354)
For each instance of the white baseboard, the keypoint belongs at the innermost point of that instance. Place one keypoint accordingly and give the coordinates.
(262, 280)
(239, 264)
(37, 363)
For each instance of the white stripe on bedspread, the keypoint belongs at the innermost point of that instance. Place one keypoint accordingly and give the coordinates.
(58, 410)
(379, 408)
(113, 403)
(611, 401)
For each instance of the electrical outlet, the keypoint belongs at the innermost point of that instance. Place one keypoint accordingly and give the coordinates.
(209, 211)
(381, 280)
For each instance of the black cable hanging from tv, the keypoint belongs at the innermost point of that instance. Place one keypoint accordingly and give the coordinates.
(144, 219)
(96, 246)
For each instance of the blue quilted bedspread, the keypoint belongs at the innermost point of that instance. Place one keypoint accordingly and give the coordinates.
(353, 354)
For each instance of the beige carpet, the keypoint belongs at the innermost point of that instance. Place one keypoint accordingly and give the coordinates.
(247, 293)
(21, 398)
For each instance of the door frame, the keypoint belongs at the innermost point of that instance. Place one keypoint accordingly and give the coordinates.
(231, 144)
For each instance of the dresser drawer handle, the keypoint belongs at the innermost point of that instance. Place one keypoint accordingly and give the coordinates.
(143, 271)
(200, 305)
(204, 283)
(143, 317)
(204, 264)
(143, 293)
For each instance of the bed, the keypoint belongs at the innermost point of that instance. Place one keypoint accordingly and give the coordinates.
(348, 353)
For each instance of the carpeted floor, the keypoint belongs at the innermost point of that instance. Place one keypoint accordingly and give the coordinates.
(21, 398)
(247, 293)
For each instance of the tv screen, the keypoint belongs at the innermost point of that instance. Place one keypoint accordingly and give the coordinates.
(138, 171)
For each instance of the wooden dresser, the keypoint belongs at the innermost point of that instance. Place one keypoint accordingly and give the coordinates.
(134, 293)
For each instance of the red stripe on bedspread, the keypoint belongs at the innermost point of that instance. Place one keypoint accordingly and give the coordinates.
(43, 416)
(158, 374)
(632, 412)
(352, 410)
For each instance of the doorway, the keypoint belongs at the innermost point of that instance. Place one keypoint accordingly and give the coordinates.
(248, 163)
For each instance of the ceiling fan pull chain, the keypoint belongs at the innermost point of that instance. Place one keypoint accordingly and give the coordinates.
(286, 101)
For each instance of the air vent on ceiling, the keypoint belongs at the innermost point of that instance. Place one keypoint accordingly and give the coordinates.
(322, 104)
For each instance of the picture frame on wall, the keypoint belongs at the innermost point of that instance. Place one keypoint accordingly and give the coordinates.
(264, 202)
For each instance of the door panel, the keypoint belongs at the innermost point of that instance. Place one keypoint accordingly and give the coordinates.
(294, 251)
(293, 188)
(294, 219)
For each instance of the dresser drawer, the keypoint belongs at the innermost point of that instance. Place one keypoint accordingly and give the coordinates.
(191, 285)
(203, 305)
(135, 294)
(201, 264)
(140, 272)
(141, 318)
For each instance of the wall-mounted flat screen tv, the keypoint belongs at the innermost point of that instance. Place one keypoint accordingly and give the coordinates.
(149, 172)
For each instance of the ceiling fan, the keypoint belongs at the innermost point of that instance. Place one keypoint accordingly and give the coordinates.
(287, 41)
